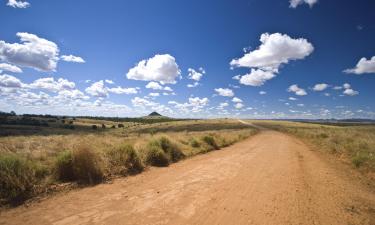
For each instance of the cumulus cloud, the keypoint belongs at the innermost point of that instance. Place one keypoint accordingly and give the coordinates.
(50, 84)
(109, 81)
(320, 87)
(10, 81)
(161, 68)
(195, 84)
(363, 66)
(295, 3)
(121, 90)
(10, 68)
(98, 89)
(292, 99)
(256, 77)
(72, 58)
(350, 92)
(275, 49)
(297, 90)
(239, 105)
(154, 85)
(226, 92)
(196, 75)
(18, 4)
(34, 52)
(154, 94)
(262, 92)
(235, 99)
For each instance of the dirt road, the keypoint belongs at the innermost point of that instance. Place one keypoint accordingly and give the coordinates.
(270, 178)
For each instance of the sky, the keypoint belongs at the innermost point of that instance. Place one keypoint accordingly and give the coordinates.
(286, 59)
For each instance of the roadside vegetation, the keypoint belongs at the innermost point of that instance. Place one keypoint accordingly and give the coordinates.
(353, 143)
(30, 165)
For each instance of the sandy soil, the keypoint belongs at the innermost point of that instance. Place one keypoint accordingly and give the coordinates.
(270, 178)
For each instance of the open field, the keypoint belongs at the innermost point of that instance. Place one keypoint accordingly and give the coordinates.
(270, 178)
(36, 160)
(353, 143)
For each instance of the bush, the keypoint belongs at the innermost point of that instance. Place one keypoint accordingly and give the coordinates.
(82, 164)
(18, 177)
(210, 140)
(155, 156)
(124, 159)
(94, 127)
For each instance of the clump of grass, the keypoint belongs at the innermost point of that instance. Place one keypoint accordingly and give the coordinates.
(18, 177)
(64, 166)
(162, 152)
(194, 143)
(359, 159)
(124, 160)
(171, 149)
(82, 164)
(155, 156)
(210, 140)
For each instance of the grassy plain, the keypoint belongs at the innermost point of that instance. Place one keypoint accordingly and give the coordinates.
(35, 160)
(354, 143)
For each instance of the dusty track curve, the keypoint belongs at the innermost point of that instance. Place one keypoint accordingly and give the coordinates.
(270, 178)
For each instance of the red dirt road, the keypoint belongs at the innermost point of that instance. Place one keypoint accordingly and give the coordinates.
(270, 178)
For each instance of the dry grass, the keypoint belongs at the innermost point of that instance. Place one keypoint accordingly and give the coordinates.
(352, 143)
(90, 157)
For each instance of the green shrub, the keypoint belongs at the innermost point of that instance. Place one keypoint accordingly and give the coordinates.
(155, 156)
(64, 166)
(124, 159)
(210, 140)
(18, 177)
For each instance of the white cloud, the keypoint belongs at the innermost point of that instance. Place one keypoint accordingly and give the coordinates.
(109, 81)
(237, 77)
(121, 90)
(346, 86)
(256, 77)
(154, 85)
(153, 94)
(98, 89)
(350, 92)
(198, 101)
(10, 81)
(10, 68)
(292, 99)
(161, 68)
(297, 90)
(72, 94)
(235, 99)
(295, 3)
(320, 87)
(141, 102)
(239, 105)
(275, 49)
(363, 66)
(72, 58)
(196, 75)
(18, 4)
(337, 87)
(262, 92)
(195, 84)
(226, 92)
(223, 105)
(50, 84)
(168, 89)
(34, 52)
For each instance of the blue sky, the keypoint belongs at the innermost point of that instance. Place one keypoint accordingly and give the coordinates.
(249, 59)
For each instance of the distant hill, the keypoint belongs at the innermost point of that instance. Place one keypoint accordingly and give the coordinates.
(154, 114)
